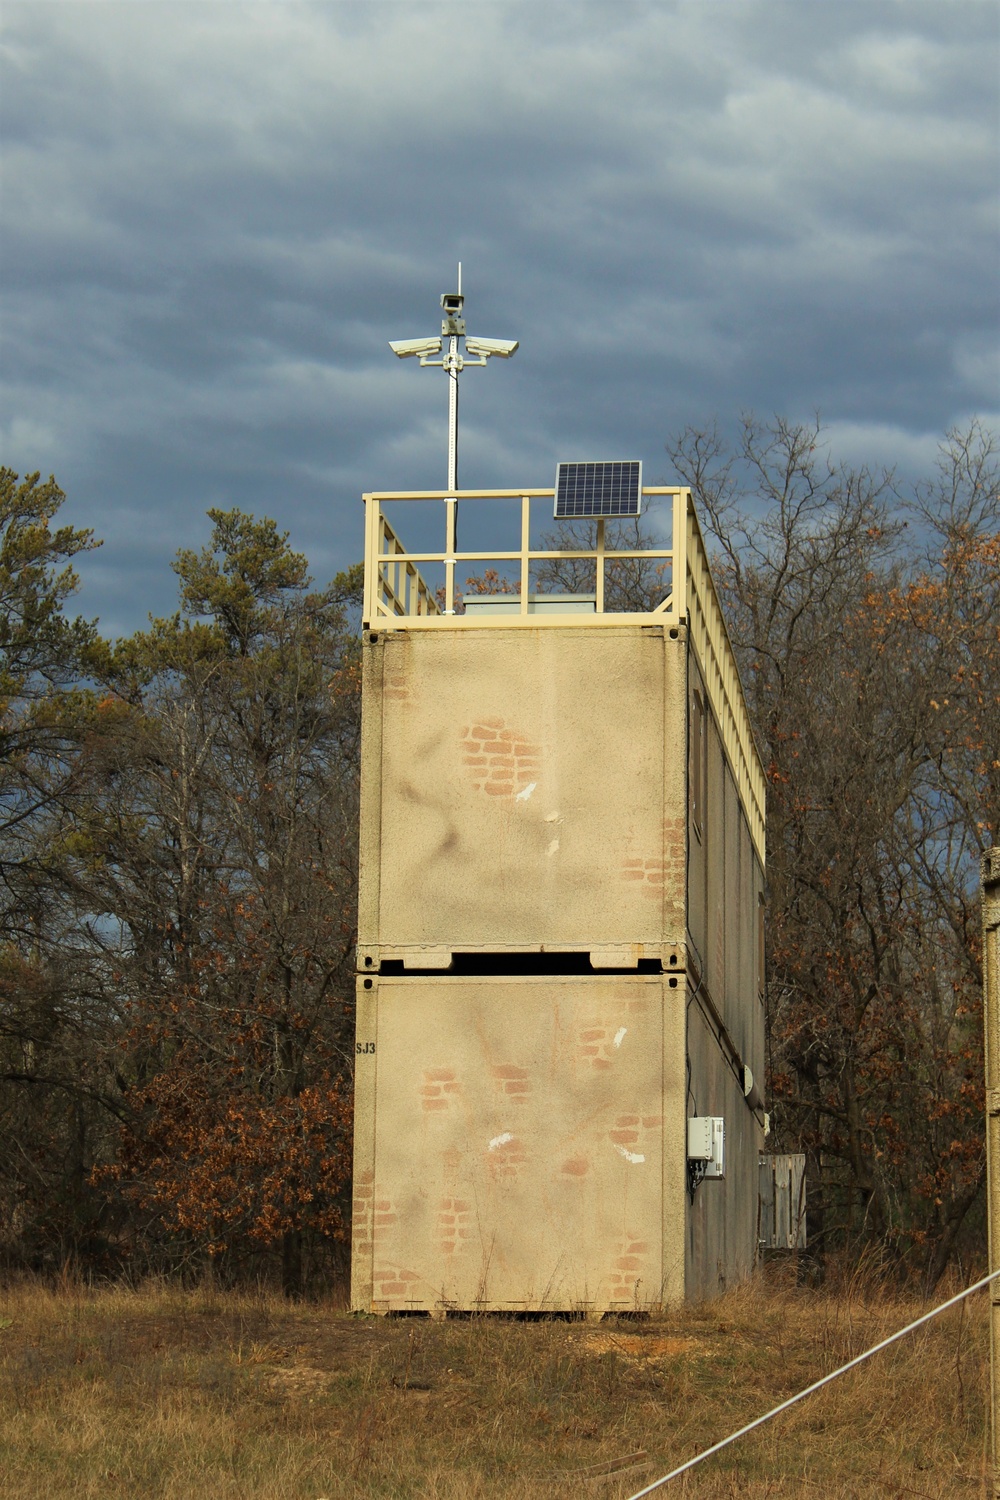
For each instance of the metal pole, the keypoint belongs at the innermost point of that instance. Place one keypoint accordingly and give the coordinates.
(453, 413)
(452, 370)
(990, 875)
(451, 506)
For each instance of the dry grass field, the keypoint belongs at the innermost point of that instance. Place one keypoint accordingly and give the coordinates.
(165, 1393)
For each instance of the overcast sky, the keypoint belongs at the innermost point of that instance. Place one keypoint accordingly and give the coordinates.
(216, 215)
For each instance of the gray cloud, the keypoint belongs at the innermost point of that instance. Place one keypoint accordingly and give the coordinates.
(217, 214)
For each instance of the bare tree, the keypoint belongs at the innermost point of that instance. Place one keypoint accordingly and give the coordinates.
(857, 646)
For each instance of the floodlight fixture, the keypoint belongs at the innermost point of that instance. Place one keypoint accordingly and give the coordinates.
(477, 350)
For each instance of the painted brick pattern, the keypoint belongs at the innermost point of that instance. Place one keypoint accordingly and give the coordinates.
(394, 1283)
(649, 871)
(502, 761)
(437, 1090)
(396, 687)
(593, 1047)
(385, 1219)
(675, 865)
(600, 1038)
(363, 1211)
(512, 1082)
(454, 1224)
(675, 848)
(625, 1277)
(626, 1131)
(506, 1158)
(666, 869)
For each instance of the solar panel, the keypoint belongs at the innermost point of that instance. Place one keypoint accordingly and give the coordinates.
(612, 489)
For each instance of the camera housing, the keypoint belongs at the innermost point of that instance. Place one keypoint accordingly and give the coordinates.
(404, 348)
(503, 347)
(452, 324)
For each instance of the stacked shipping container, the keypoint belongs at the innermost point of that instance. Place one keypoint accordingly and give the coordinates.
(558, 959)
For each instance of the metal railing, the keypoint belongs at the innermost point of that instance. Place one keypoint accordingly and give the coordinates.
(400, 589)
(398, 597)
(389, 605)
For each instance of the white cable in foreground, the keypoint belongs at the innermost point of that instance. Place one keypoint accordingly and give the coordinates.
(699, 1457)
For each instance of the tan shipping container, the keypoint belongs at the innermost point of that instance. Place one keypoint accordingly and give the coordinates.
(522, 1146)
(522, 791)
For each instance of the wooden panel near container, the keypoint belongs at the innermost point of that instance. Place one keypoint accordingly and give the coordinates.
(782, 1201)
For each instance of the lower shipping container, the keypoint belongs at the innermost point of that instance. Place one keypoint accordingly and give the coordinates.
(520, 1144)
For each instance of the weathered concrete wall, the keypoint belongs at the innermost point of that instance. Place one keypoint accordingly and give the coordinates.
(522, 790)
(520, 1144)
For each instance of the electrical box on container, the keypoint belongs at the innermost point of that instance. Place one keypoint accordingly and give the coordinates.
(706, 1144)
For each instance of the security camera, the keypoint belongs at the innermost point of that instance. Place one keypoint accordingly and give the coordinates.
(403, 348)
(504, 347)
(452, 324)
